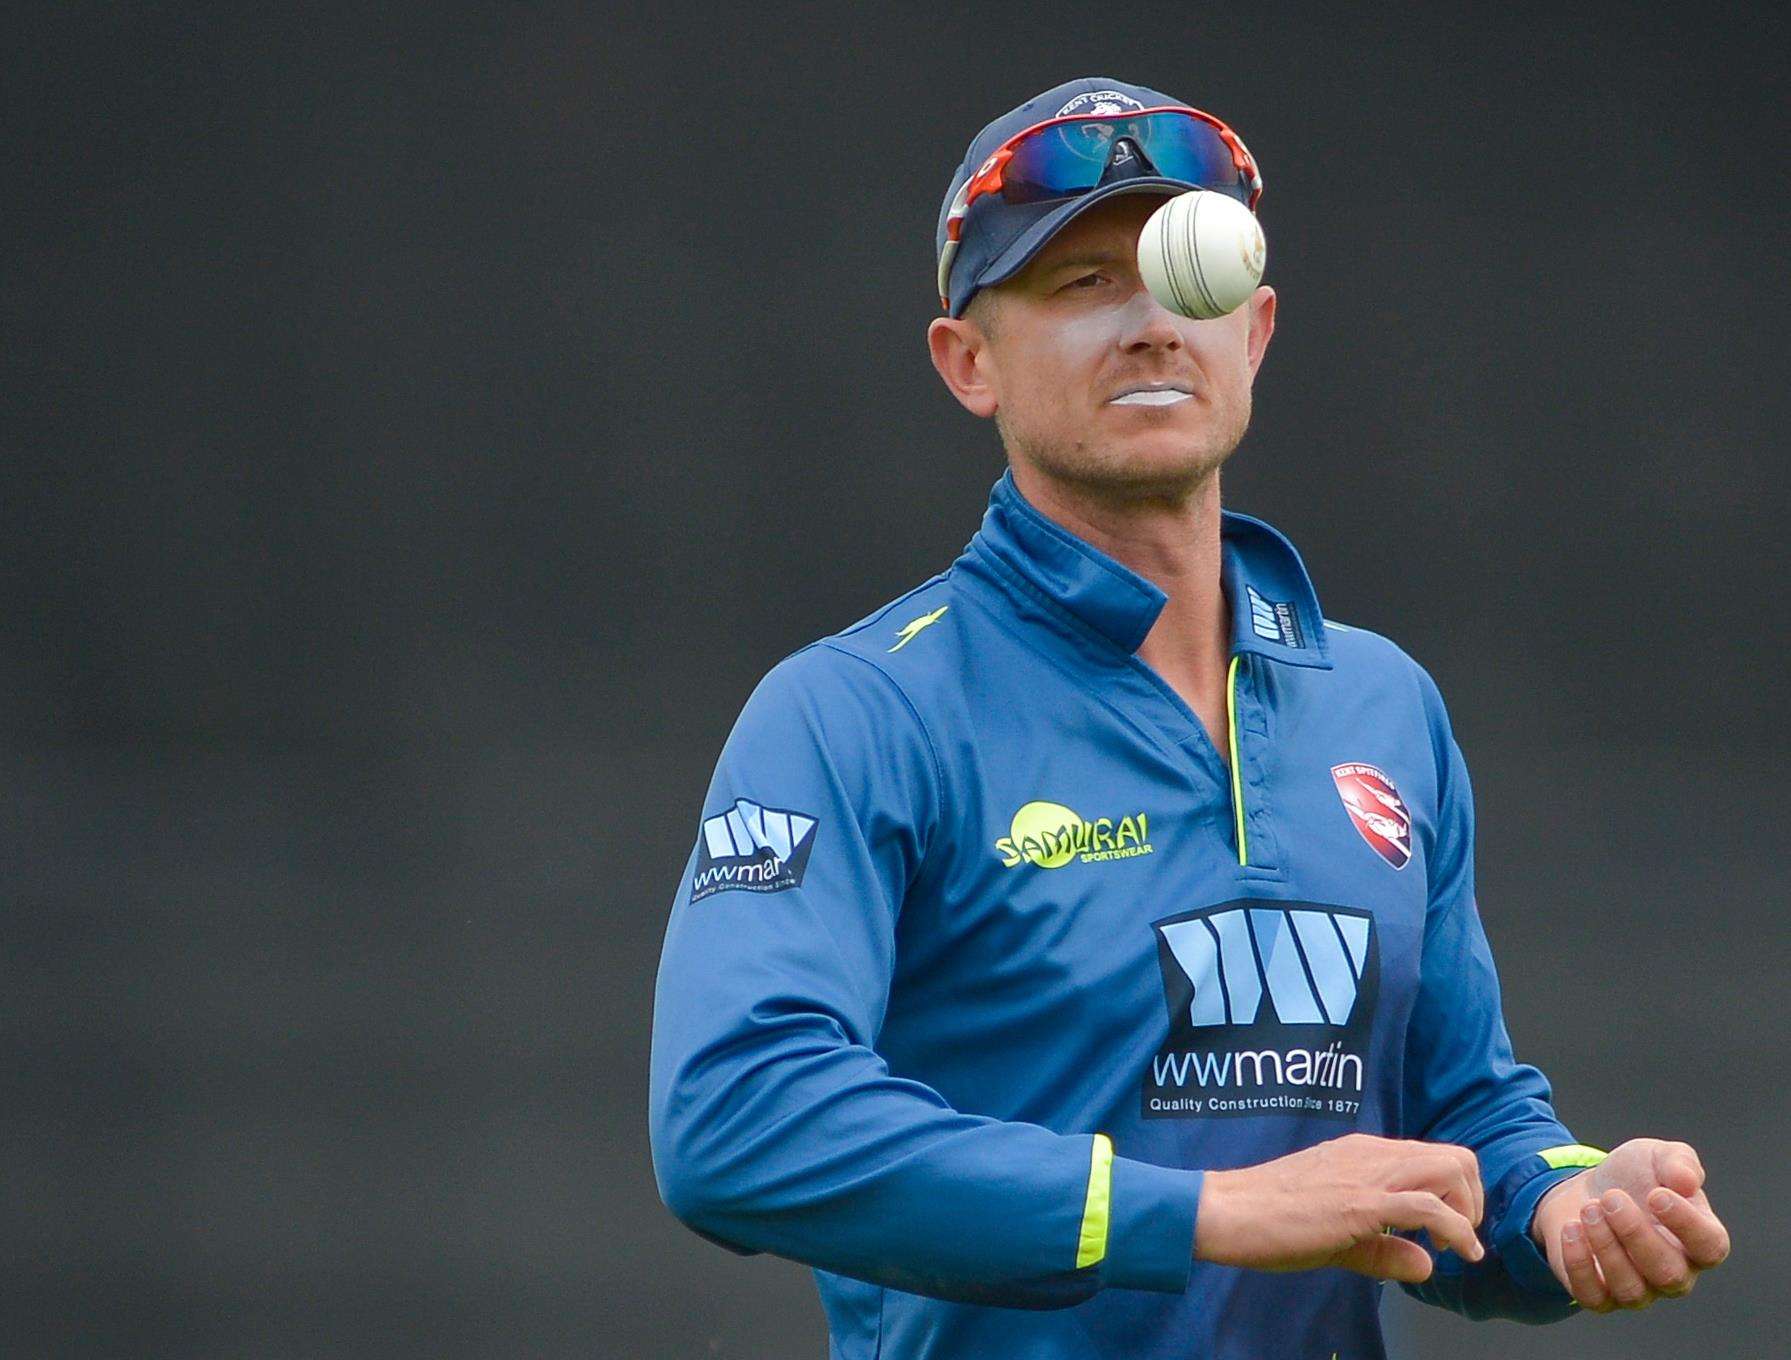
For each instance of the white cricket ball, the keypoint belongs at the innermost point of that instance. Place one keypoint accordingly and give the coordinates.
(1201, 254)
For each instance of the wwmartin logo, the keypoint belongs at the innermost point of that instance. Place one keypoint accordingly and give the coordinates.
(1307, 962)
(1270, 1009)
(753, 847)
(1274, 620)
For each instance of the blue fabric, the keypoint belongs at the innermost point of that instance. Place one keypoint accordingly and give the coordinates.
(965, 892)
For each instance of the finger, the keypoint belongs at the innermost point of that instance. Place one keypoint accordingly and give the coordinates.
(1627, 1287)
(1476, 1189)
(1449, 1230)
(1702, 1233)
(1453, 1175)
(1664, 1268)
(1678, 1167)
(1583, 1280)
(1387, 1257)
(1699, 1200)
(1460, 1172)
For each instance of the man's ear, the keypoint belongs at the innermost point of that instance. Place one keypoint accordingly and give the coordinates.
(962, 356)
(1262, 324)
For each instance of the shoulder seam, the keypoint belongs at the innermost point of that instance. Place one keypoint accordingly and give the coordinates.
(879, 615)
(925, 732)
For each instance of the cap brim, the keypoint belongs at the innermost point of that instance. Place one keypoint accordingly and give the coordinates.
(1029, 242)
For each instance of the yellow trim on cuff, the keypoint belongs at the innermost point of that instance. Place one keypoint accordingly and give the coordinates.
(1572, 1154)
(1091, 1247)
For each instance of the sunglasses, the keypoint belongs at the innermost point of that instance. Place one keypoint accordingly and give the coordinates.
(1061, 157)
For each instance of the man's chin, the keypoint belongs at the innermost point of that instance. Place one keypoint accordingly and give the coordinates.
(1134, 472)
(1161, 455)
(1116, 455)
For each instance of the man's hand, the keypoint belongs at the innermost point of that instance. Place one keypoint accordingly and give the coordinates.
(1635, 1228)
(1331, 1205)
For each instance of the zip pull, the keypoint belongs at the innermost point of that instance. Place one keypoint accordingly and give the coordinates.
(1237, 780)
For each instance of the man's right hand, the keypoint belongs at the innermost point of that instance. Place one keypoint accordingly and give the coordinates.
(1331, 1205)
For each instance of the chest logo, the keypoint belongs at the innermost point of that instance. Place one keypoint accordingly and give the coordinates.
(1050, 835)
(1271, 1009)
(1379, 813)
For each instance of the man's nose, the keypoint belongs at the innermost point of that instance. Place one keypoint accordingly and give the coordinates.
(1148, 324)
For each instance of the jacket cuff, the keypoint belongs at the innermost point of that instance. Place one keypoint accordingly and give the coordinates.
(1524, 1260)
(1153, 1210)
(1517, 1195)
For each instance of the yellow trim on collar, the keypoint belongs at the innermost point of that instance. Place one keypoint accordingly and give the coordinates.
(1237, 783)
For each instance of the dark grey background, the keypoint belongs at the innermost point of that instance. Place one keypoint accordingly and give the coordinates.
(421, 431)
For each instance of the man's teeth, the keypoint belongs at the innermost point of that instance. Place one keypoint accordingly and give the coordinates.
(1166, 397)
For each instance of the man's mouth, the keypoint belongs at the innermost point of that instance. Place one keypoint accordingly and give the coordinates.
(1151, 396)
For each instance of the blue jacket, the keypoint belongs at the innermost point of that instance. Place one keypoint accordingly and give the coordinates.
(982, 956)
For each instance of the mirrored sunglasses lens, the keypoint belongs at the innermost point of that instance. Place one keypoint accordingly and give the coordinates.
(1070, 158)
(1183, 147)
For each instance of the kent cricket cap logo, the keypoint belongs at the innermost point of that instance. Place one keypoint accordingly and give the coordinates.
(1379, 813)
(1100, 101)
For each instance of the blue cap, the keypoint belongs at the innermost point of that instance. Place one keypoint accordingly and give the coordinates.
(998, 237)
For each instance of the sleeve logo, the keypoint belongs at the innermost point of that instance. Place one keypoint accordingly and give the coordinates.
(753, 847)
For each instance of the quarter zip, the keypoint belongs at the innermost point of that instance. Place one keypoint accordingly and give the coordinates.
(1237, 778)
(1082, 596)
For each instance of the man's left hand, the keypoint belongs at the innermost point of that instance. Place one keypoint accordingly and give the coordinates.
(1635, 1228)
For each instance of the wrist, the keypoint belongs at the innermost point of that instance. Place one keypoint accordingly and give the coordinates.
(1212, 1228)
(1556, 1202)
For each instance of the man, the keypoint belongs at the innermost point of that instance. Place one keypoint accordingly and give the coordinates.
(1079, 955)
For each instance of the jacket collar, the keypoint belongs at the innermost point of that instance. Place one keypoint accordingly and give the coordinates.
(1274, 611)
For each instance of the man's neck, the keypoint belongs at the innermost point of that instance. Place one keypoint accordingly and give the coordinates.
(1173, 542)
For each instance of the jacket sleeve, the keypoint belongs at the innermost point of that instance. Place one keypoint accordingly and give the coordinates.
(1462, 1084)
(775, 1125)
